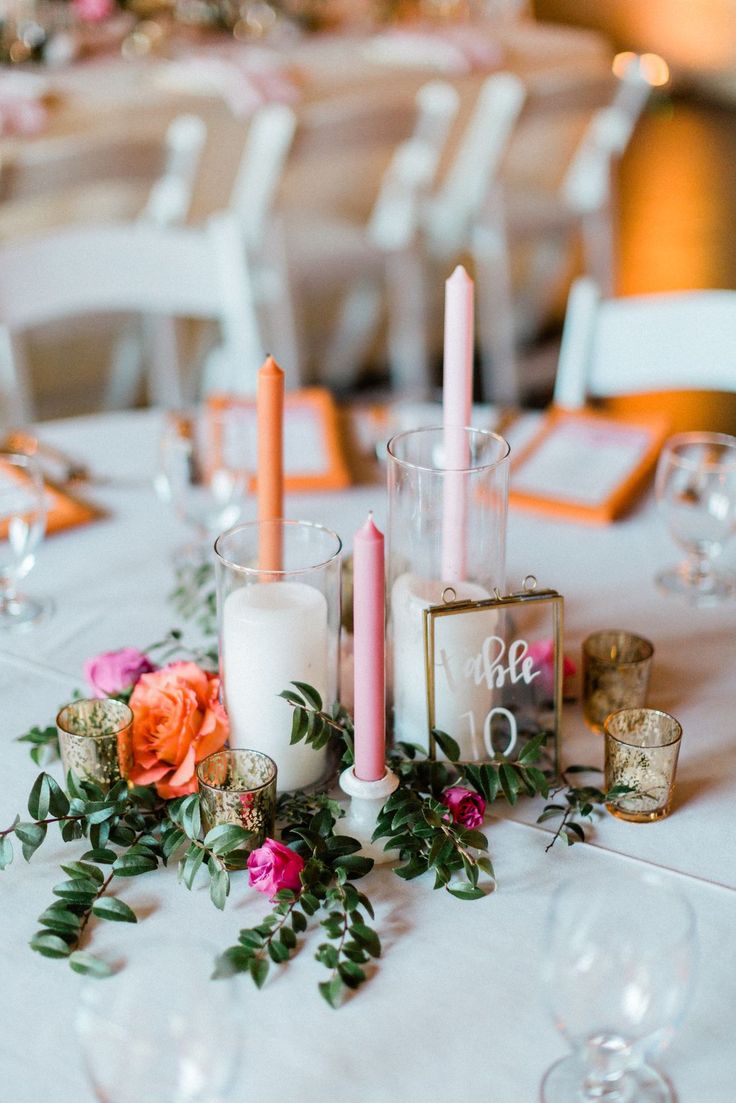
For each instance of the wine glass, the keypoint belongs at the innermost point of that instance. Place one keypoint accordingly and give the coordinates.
(618, 973)
(161, 1029)
(22, 526)
(206, 459)
(696, 493)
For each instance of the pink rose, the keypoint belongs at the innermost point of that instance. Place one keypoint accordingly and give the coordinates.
(542, 654)
(177, 721)
(466, 807)
(273, 867)
(93, 11)
(115, 671)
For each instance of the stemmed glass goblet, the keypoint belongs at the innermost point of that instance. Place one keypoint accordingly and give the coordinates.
(22, 526)
(206, 456)
(618, 974)
(696, 494)
(161, 1029)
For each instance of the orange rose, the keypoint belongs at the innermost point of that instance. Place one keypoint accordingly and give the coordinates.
(177, 721)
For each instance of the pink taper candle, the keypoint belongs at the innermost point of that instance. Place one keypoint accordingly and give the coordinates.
(369, 653)
(457, 398)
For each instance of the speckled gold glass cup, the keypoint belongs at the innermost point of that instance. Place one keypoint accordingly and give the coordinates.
(642, 746)
(96, 739)
(239, 787)
(616, 667)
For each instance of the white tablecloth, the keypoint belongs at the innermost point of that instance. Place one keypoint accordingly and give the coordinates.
(454, 1010)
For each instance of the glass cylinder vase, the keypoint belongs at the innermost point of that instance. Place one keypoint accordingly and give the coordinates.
(446, 541)
(277, 627)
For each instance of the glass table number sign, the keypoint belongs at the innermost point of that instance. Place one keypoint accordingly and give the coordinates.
(493, 671)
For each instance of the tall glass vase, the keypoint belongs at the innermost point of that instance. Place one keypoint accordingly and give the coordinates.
(446, 541)
(277, 627)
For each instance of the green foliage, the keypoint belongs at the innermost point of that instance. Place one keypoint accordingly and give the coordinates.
(331, 865)
(129, 831)
(311, 723)
(420, 828)
(194, 596)
(578, 802)
(44, 744)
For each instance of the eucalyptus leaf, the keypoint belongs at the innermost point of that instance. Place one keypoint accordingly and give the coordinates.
(84, 962)
(6, 852)
(31, 836)
(310, 695)
(219, 887)
(332, 991)
(258, 969)
(50, 945)
(39, 799)
(109, 907)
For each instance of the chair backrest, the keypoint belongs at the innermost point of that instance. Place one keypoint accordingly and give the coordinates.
(475, 166)
(171, 195)
(412, 170)
(683, 340)
(266, 148)
(586, 184)
(137, 267)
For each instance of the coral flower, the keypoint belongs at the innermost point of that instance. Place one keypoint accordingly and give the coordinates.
(177, 721)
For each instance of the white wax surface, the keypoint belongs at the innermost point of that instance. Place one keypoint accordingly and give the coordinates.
(457, 638)
(274, 633)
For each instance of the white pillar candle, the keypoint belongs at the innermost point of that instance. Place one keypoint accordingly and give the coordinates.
(274, 633)
(461, 703)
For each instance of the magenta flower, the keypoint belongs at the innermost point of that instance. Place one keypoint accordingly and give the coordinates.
(542, 653)
(115, 671)
(466, 807)
(93, 11)
(273, 867)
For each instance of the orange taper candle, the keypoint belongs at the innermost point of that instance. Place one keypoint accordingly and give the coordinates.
(270, 404)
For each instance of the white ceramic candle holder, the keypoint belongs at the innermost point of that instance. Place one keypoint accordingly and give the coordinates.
(367, 798)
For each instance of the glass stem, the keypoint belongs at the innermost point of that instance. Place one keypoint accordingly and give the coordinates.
(8, 594)
(698, 569)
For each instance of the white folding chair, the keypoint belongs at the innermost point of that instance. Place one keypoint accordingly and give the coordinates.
(376, 261)
(152, 342)
(681, 340)
(465, 216)
(252, 203)
(132, 268)
(583, 205)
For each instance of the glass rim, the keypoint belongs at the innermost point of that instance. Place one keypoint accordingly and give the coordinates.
(485, 433)
(286, 524)
(649, 646)
(124, 721)
(676, 737)
(725, 440)
(233, 752)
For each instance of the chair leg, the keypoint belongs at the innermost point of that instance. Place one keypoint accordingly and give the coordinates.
(126, 368)
(14, 387)
(495, 324)
(407, 323)
(356, 326)
(275, 306)
(164, 380)
(599, 250)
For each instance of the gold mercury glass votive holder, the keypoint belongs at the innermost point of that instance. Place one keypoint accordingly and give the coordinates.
(642, 746)
(239, 787)
(616, 667)
(96, 739)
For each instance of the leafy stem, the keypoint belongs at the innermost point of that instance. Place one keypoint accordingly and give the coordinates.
(580, 802)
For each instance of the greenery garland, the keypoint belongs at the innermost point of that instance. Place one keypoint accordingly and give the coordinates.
(130, 831)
